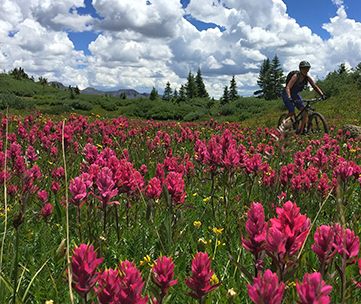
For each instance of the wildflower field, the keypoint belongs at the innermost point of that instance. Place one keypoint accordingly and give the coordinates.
(127, 211)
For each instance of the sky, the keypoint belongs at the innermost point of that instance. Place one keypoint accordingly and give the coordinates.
(141, 44)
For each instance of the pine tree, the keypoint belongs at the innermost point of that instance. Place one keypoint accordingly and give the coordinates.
(153, 94)
(182, 94)
(277, 79)
(233, 94)
(201, 88)
(263, 79)
(72, 96)
(76, 90)
(191, 87)
(175, 97)
(342, 69)
(270, 79)
(167, 92)
(225, 97)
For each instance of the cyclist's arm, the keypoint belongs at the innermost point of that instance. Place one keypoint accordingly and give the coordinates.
(314, 86)
(290, 85)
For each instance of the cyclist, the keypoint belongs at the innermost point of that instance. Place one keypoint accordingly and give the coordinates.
(295, 83)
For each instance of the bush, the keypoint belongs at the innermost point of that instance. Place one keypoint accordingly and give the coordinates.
(109, 106)
(228, 109)
(244, 116)
(334, 83)
(192, 116)
(59, 109)
(14, 102)
(163, 111)
(81, 105)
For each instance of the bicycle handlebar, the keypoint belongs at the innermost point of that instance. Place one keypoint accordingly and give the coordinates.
(308, 100)
(312, 100)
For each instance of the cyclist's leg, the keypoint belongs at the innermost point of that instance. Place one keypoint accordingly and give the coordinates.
(289, 105)
(299, 104)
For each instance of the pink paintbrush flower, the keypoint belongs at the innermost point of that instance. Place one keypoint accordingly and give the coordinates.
(131, 285)
(266, 289)
(199, 282)
(84, 269)
(324, 237)
(154, 188)
(257, 230)
(313, 289)
(109, 286)
(162, 275)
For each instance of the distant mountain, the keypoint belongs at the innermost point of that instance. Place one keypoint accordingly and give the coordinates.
(58, 85)
(129, 93)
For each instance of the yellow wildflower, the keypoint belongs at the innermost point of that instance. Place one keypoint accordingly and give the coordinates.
(217, 231)
(145, 261)
(214, 279)
(197, 224)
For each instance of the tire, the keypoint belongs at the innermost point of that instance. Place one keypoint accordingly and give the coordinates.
(317, 124)
(282, 118)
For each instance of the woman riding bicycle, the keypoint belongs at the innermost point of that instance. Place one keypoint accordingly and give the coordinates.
(295, 83)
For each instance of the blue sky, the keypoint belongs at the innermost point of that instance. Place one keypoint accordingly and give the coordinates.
(138, 44)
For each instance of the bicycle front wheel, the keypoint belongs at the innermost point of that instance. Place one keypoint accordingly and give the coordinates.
(281, 121)
(317, 124)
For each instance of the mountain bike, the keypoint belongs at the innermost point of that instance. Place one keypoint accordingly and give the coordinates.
(316, 123)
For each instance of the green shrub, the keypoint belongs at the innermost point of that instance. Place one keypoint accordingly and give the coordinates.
(162, 111)
(81, 105)
(59, 109)
(244, 116)
(109, 106)
(14, 102)
(192, 116)
(228, 109)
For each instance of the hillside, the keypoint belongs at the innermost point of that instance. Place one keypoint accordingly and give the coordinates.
(26, 95)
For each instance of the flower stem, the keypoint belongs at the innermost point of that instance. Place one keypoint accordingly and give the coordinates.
(16, 263)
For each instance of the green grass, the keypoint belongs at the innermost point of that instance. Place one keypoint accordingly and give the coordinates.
(249, 111)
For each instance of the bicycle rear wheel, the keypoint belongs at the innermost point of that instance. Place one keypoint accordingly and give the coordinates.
(317, 124)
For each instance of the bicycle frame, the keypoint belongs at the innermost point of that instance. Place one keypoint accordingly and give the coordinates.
(301, 117)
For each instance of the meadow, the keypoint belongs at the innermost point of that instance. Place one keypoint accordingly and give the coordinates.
(144, 211)
(106, 200)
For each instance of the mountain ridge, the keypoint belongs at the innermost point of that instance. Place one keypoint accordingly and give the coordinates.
(129, 93)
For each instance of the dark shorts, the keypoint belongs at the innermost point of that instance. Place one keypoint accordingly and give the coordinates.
(297, 100)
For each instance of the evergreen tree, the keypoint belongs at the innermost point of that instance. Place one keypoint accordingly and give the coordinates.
(72, 96)
(225, 97)
(191, 87)
(270, 79)
(277, 79)
(233, 94)
(201, 88)
(76, 90)
(19, 73)
(342, 69)
(175, 97)
(182, 94)
(263, 78)
(153, 94)
(43, 81)
(167, 92)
